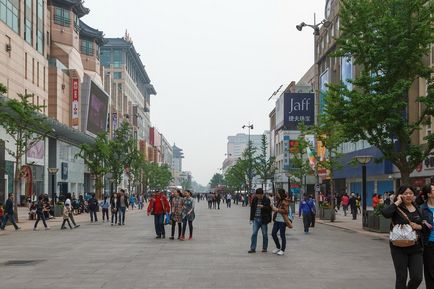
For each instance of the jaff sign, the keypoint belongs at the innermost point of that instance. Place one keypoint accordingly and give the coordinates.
(75, 115)
(293, 109)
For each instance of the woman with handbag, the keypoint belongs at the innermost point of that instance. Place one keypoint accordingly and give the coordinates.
(280, 211)
(187, 215)
(405, 243)
(428, 235)
(176, 206)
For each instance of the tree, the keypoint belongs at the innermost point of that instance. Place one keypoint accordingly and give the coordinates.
(235, 177)
(26, 126)
(265, 167)
(216, 180)
(248, 164)
(95, 156)
(299, 163)
(389, 41)
(159, 176)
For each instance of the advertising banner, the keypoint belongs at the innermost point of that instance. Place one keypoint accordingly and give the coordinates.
(75, 97)
(36, 154)
(292, 109)
(98, 109)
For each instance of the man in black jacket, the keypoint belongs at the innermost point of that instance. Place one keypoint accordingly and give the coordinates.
(260, 217)
(9, 213)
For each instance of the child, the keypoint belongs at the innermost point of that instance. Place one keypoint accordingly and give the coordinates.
(66, 211)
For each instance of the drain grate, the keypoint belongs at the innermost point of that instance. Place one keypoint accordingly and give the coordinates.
(22, 262)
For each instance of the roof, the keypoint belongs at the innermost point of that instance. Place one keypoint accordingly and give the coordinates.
(76, 5)
(91, 33)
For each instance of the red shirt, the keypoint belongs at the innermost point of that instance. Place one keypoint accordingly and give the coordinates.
(159, 205)
(345, 200)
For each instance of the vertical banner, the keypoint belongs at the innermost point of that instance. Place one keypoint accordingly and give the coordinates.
(75, 114)
(286, 155)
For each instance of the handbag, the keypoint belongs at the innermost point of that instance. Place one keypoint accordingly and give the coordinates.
(403, 235)
(167, 219)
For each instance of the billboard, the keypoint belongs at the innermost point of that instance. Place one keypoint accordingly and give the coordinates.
(293, 109)
(36, 154)
(98, 109)
(75, 96)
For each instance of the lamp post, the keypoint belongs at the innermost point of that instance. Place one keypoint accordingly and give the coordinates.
(364, 160)
(249, 146)
(53, 172)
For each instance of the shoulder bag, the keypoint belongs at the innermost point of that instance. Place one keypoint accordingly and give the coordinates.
(403, 235)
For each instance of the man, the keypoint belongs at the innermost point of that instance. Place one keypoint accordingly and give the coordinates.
(159, 206)
(260, 217)
(353, 206)
(123, 205)
(9, 213)
(305, 209)
(93, 206)
(345, 200)
(228, 200)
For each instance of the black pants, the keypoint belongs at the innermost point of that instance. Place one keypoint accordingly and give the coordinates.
(228, 203)
(407, 259)
(64, 222)
(93, 215)
(307, 220)
(279, 226)
(428, 264)
(312, 221)
(173, 229)
(114, 216)
(105, 214)
(354, 213)
(40, 216)
(184, 227)
(209, 204)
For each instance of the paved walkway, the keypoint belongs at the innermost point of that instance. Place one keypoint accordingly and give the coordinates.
(102, 256)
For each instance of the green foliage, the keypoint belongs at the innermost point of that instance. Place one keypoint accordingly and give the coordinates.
(159, 176)
(235, 176)
(216, 180)
(3, 89)
(389, 41)
(264, 165)
(248, 164)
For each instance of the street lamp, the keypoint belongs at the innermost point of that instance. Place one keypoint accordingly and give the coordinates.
(53, 172)
(364, 160)
(314, 26)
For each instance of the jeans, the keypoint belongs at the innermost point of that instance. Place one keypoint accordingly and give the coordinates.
(279, 226)
(40, 216)
(307, 220)
(122, 215)
(159, 226)
(184, 227)
(257, 224)
(228, 203)
(10, 217)
(428, 261)
(407, 259)
(93, 215)
(105, 214)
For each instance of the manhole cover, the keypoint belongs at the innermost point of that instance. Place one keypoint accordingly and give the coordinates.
(22, 262)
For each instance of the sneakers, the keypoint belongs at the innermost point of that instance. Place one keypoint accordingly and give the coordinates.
(275, 251)
(280, 253)
(76, 226)
(264, 251)
(172, 238)
(251, 251)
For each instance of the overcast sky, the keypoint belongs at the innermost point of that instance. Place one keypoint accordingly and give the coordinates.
(214, 64)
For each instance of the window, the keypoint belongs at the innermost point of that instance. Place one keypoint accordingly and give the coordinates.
(9, 14)
(40, 26)
(37, 73)
(347, 72)
(33, 70)
(28, 26)
(117, 75)
(106, 58)
(62, 17)
(117, 59)
(25, 65)
(87, 47)
(76, 23)
(44, 78)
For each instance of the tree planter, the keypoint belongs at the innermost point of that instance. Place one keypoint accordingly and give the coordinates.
(378, 223)
(325, 213)
(58, 210)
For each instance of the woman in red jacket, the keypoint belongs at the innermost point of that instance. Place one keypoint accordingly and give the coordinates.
(159, 206)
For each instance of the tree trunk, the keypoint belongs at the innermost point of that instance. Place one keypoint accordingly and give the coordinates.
(405, 176)
(17, 180)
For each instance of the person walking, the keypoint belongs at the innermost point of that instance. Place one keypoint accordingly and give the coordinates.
(105, 205)
(188, 215)
(228, 200)
(71, 211)
(218, 200)
(9, 213)
(345, 201)
(260, 217)
(140, 202)
(123, 205)
(305, 209)
(428, 235)
(93, 205)
(176, 207)
(403, 211)
(353, 206)
(40, 213)
(159, 206)
(132, 201)
(66, 211)
(280, 210)
(313, 211)
(114, 205)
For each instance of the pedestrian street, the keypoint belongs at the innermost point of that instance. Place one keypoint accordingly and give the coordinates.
(103, 256)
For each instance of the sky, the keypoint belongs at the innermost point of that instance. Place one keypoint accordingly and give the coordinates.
(213, 63)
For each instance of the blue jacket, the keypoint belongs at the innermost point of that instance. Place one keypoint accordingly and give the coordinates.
(9, 207)
(427, 216)
(306, 207)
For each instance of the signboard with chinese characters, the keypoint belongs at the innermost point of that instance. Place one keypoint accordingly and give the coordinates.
(74, 111)
(292, 109)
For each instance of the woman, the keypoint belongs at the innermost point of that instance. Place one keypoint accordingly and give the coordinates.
(428, 235)
(114, 204)
(40, 213)
(280, 210)
(176, 207)
(406, 258)
(187, 215)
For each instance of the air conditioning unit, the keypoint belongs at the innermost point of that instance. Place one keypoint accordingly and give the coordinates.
(8, 47)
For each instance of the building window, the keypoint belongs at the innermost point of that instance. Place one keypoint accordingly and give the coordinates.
(87, 47)
(40, 26)
(28, 26)
(62, 17)
(117, 59)
(106, 58)
(25, 65)
(347, 72)
(76, 23)
(9, 14)
(37, 73)
(117, 75)
(44, 78)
